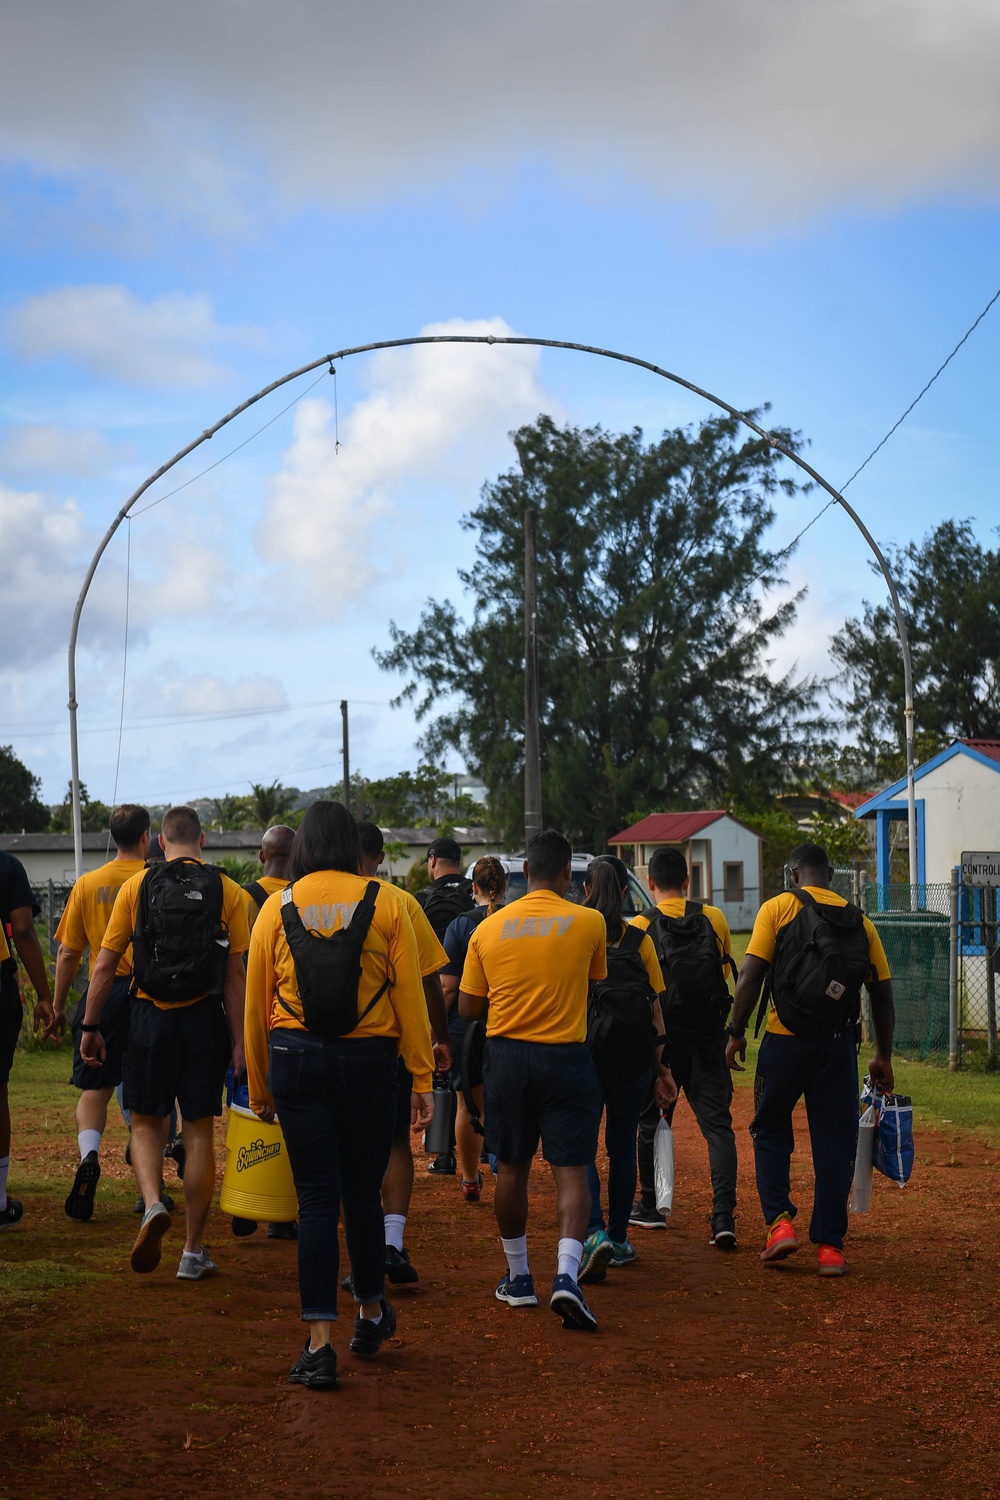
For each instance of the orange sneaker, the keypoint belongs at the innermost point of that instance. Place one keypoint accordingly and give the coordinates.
(781, 1240)
(831, 1261)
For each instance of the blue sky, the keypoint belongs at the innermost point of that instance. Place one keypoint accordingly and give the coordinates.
(801, 208)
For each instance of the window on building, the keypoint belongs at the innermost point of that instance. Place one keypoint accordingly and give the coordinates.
(697, 883)
(732, 882)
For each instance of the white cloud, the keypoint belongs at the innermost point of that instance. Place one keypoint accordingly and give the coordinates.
(431, 414)
(165, 342)
(35, 448)
(169, 691)
(771, 111)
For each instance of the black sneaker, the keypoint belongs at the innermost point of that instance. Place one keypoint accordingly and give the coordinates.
(646, 1216)
(397, 1267)
(315, 1368)
(139, 1207)
(369, 1337)
(178, 1152)
(443, 1166)
(287, 1231)
(80, 1203)
(346, 1284)
(12, 1214)
(723, 1231)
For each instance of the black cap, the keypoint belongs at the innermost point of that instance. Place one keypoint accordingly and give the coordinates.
(446, 849)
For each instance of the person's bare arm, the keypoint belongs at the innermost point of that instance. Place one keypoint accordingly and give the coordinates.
(103, 977)
(666, 1088)
(67, 963)
(437, 1014)
(883, 1025)
(747, 995)
(471, 1007)
(449, 987)
(29, 950)
(234, 996)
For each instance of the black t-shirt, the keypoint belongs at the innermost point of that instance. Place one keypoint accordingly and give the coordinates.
(15, 892)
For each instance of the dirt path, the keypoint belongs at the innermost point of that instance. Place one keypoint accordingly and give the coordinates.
(709, 1376)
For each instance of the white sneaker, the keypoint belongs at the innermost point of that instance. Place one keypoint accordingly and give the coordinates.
(196, 1265)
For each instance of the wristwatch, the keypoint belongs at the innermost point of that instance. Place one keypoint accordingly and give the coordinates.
(737, 1036)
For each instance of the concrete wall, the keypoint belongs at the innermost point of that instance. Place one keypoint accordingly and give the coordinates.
(961, 811)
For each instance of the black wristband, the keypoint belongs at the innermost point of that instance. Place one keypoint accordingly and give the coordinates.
(737, 1036)
(85, 1027)
(659, 1041)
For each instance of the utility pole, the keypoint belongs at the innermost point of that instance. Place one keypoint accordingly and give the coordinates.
(532, 760)
(347, 762)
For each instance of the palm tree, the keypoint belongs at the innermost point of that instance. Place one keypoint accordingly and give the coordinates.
(270, 802)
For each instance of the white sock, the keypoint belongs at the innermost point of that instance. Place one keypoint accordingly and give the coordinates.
(4, 1169)
(376, 1319)
(90, 1140)
(570, 1256)
(394, 1226)
(516, 1252)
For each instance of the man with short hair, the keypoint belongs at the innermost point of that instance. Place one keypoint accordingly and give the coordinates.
(695, 1045)
(808, 1048)
(397, 1185)
(82, 926)
(448, 896)
(18, 910)
(189, 932)
(533, 963)
(274, 854)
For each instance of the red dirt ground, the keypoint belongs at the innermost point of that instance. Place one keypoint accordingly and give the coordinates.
(710, 1375)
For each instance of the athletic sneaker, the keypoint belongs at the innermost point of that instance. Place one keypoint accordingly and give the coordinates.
(286, 1231)
(831, 1261)
(146, 1250)
(196, 1265)
(178, 1151)
(80, 1203)
(781, 1240)
(472, 1191)
(517, 1291)
(597, 1253)
(139, 1207)
(398, 1269)
(443, 1165)
(368, 1336)
(723, 1231)
(12, 1214)
(646, 1216)
(316, 1369)
(623, 1253)
(567, 1302)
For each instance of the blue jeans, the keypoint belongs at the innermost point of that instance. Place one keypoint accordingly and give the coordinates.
(336, 1103)
(622, 1103)
(825, 1070)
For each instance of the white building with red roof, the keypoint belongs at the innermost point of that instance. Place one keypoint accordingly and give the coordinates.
(724, 856)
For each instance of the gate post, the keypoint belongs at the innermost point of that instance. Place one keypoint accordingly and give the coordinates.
(954, 1059)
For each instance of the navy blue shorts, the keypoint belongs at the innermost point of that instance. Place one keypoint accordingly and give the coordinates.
(182, 1053)
(541, 1090)
(11, 1015)
(114, 1030)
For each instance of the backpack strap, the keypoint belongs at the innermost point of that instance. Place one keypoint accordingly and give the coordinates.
(290, 920)
(631, 939)
(256, 892)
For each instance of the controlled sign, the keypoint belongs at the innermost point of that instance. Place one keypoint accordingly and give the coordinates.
(980, 868)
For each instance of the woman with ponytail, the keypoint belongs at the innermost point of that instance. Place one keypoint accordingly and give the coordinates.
(625, 1082)
(489, 887)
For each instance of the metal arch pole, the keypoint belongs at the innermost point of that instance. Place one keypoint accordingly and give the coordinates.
(480, 338)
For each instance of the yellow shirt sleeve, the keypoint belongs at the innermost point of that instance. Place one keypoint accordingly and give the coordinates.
(261, 985)
(876, 952)
(234, 915)
(765, 931)
(118, 933)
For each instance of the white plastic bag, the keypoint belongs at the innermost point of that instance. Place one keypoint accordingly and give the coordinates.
(663, 1166)
(861, 1187)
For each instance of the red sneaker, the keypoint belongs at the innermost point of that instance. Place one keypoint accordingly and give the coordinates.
(781, 1240)
(831, 1261)
(472, 1191)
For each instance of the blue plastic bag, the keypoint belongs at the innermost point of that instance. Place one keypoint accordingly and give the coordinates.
(893, 1153)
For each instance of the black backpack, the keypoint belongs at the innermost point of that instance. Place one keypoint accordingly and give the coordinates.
(328, 969)
(445, 900)
(620, 1029)
(696, 996)
(180, 943)
(821, 960)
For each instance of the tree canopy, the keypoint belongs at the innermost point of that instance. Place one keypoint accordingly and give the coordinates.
(653, 629)
(949, 591)
(21, 808)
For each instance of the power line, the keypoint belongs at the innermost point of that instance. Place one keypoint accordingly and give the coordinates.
(926, 388)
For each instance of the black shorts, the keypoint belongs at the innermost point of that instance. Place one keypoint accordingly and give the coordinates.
(114, 1030)
(182, 1053)
(11, 1014)
(404, 1079)
(537, 1089)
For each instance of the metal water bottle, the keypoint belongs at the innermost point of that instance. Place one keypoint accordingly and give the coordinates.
(440, 1134)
